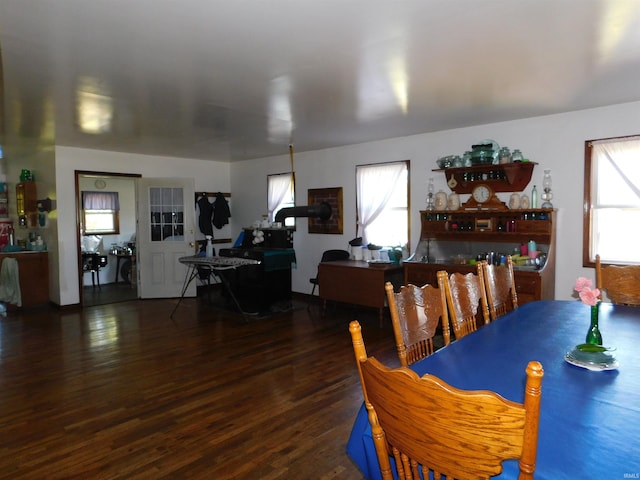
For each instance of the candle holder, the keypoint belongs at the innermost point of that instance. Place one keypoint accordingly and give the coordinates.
(546, 187)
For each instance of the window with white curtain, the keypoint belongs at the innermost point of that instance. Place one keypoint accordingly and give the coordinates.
(281, 194)
(382, 201)
(100, 213)
(612, 201)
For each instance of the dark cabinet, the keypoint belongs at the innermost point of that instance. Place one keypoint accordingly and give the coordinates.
(33, 270)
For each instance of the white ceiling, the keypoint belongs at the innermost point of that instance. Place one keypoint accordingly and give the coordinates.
(238, 79)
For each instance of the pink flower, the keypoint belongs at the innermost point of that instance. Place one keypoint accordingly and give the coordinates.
(590, 296)
(582, 283)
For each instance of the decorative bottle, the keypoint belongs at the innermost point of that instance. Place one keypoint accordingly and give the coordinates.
(534, 197)
(209, 247)
(593, 335)
(516, 155)
(504, 155)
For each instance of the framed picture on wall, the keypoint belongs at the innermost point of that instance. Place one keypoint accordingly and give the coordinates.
(332, 196)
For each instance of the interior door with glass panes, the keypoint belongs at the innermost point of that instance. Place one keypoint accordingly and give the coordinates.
(166, 217)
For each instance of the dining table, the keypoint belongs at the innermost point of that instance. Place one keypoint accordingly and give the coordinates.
(589, 418)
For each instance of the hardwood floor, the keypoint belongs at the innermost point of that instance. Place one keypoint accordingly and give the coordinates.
(108, 293)
(122, 391)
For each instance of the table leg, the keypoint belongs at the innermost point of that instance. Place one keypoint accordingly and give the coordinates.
(117, 269)
(191, 274)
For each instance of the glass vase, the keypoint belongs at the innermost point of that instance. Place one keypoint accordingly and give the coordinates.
(593, 335)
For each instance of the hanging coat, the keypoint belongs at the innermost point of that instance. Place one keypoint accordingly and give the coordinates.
(206, 215)
(221, 212)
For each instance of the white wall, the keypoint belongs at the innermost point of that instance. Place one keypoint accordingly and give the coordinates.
(555, 142)
(208, 175)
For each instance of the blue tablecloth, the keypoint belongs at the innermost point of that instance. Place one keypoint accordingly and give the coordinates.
(589, 421)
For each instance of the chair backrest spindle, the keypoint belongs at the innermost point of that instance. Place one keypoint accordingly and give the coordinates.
(500, 286)
(466, 300)
(416, 313)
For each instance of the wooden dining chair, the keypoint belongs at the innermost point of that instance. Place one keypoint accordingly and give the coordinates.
(422, 422)
(621, 282)
(466, 301)
(416, 313)
(500, 286)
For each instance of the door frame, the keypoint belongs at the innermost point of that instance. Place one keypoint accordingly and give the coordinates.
(90, 173)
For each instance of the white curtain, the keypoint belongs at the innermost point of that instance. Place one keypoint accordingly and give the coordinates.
(374, 184)
(279, 189)
(615, 200)
(621, 156)
(100, 201)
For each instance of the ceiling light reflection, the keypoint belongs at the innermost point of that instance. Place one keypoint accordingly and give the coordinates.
(400, 82)
(618, 30)
(94, 106)
(383, 84)
(280, 122)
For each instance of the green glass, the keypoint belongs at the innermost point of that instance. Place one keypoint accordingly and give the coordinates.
(593, 335)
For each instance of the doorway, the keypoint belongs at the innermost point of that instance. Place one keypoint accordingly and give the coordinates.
(107, 237)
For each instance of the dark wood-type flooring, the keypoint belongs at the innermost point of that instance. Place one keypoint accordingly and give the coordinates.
(108, 293)
(122, 391)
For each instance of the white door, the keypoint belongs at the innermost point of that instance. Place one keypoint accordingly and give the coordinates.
(166, 216)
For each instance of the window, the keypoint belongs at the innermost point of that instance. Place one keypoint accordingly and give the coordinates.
(382, 203)
(612, 201)
(281, 194)
(166, 205)
(100, 213)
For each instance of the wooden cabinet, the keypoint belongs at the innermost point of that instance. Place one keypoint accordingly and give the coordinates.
(507, 177)
(33, 269)
(449, 238)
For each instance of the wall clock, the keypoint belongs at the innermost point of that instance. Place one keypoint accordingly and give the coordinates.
(100, 184)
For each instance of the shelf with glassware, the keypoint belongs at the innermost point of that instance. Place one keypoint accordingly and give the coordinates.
(27, 204)
(454, 240)
(502, 177)
(503, 226)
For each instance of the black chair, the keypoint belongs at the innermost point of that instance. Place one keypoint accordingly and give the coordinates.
(94, 262)
(329, 256)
